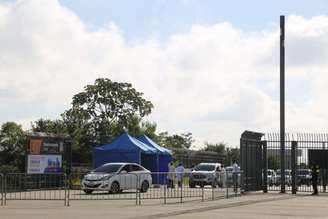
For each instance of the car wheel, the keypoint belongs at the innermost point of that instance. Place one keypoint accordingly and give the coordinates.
(144, 186)
(87, 191)
(115, 188)
(192, 184)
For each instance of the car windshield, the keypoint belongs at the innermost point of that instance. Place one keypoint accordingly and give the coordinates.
(109, 168)
(204, 167)
(229, 169)
(303, 172)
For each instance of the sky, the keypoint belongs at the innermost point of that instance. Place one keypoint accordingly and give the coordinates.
(209, 67)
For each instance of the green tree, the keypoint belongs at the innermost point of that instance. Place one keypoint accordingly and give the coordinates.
(49, 126)
(219, 148)
(12, 145)
(232, 154)
(106, 104)
(184, 140)
(102, 112)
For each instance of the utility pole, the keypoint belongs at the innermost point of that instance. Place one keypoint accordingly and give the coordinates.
(282, 102)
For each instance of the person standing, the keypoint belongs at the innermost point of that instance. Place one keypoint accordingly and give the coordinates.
(235, 171)
(315, 172)
(170, 175)
(179, 174)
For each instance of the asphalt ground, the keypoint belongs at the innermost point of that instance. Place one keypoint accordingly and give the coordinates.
(254, 205)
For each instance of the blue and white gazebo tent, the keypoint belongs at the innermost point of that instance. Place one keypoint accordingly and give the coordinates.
(164, 156)
(126, 148)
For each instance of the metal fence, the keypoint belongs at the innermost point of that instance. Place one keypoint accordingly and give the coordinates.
(299, 158)
(137, 187)
(21, 186)
(2, 189)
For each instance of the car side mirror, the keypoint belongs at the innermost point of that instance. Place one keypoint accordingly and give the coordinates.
(123, 172)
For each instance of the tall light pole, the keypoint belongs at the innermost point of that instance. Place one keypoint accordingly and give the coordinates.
(282, 102)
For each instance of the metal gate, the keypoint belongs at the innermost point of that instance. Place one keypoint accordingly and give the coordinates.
(300, 149)
(252, 157)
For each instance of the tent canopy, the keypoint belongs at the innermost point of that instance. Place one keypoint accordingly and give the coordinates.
(125, 148)
(164, 157)
(151, 143)
(127, 143)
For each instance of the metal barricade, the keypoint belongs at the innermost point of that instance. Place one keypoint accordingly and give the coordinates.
(2, 188)
(169, 187)
(21, 186)
(135, 186)
(90, 186)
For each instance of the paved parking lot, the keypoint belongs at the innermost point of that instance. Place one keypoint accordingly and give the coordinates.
(248, 206)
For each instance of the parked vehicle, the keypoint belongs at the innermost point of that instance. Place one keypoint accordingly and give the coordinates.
(288, 177)
(304, 177)
(116, 177)
(205, 174)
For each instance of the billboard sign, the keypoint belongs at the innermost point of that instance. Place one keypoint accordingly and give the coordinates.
(39, 164)
(35, 146)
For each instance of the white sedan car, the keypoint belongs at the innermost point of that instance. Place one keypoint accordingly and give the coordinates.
(116, 177)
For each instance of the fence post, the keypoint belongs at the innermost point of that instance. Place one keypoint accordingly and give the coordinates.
(203, 194)
(65, 189)
(213, 184)
(1, 178)
(5, 190)
(68, 188)
(138, 189)
(294, 167)
(265, 167)
(165, 188)
(181, 185)
(227, 185)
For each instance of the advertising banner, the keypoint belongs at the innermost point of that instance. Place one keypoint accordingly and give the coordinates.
(44, 164)
(51, 147)
(35, 146)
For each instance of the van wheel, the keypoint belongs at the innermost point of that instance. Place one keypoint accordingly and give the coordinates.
(115, 188)
(144, 186)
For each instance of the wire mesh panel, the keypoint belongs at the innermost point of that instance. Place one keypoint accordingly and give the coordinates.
(21, 186)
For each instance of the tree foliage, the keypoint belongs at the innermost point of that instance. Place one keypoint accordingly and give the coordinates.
(105, 105)
(12, 145)
(232, 154)
(229, 154)
(49, 126)
(184, 140)
(218, 148)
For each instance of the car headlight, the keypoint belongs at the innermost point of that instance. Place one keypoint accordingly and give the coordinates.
(105, 177)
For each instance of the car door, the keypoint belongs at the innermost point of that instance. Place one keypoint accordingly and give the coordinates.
(136, 173)
(124, 177)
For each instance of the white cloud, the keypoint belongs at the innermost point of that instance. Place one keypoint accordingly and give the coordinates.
(214, 81)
